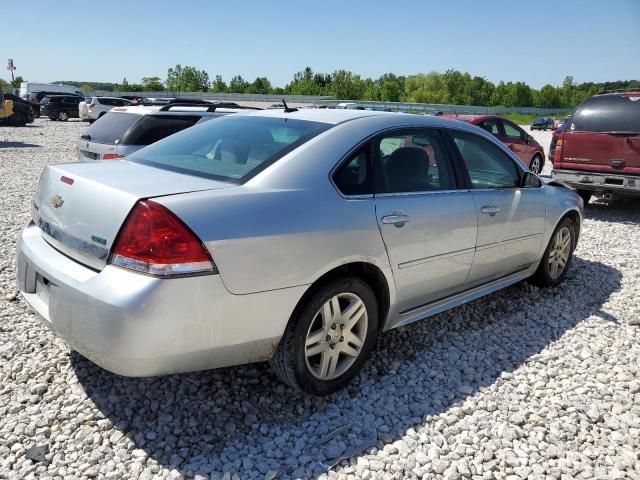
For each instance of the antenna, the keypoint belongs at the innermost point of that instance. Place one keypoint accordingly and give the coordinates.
(287, 109)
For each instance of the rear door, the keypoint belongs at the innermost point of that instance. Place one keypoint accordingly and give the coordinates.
(427, 223)
(511, 219)
(604, 135)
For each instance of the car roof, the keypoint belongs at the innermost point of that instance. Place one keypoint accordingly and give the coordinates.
(470, 118)
(176, 111)
(324, 115)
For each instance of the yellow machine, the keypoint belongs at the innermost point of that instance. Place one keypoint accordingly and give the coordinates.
(6, 107)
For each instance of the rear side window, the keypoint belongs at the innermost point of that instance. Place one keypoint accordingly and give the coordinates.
(156, 127)
(607, 113)
(511, 131)
(230, 148)
(111, 127)
(354, 177)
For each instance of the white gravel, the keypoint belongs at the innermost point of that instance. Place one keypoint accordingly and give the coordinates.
(526, 383)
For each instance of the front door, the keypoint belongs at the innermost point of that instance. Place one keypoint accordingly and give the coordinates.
(427, 223)
(516, 139)
(511, 219)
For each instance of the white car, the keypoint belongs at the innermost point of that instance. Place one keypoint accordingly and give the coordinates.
(92, 109)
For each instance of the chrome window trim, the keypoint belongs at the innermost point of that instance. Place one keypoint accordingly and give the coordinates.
(422, 193)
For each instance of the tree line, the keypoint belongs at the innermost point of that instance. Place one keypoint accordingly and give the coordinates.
(451, 87)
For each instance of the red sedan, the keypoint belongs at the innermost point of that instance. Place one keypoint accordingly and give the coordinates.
(514, 137)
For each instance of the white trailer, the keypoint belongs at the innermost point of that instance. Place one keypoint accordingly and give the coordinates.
(27, 88)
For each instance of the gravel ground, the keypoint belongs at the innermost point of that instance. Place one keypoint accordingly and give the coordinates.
(526, 383)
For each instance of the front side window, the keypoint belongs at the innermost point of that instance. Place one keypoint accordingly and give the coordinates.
(412, 161)
(511, 130)
(487, 165)
(354, 177)
(232, 148)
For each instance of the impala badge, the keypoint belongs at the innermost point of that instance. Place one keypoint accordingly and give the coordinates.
(57, 201)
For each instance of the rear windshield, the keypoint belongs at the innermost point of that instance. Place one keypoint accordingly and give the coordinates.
(608, 113)
(232, 148)
(156, 127)
(116, 102)
(111, 127)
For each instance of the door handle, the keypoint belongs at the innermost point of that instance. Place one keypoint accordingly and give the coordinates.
(490, 209)
(395, 219)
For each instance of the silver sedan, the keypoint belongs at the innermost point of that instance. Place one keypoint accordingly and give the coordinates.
(290, 236)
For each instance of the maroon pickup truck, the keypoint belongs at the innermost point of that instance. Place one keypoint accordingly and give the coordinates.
(599, 151)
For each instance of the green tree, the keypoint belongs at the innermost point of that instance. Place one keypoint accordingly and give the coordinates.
(548, 97)
(187, 79)
(86, 88)
(237, 84)
(153, 84)
(259, 85)
(17, 82)
(218, 85)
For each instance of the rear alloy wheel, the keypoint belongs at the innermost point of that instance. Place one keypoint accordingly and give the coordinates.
(585, 195)
(557, 257)
(536, 164)
(325, 345)
(63, 116)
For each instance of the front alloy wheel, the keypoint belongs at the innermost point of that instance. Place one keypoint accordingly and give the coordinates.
(63, 116)
(557, 257)
(329, 338)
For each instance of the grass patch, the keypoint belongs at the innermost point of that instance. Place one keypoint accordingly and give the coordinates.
(527, 118)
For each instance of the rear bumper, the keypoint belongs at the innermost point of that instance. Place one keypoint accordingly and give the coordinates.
(137, 325)
(599, 182)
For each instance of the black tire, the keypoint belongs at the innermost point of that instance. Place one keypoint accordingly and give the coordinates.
(289, 361)
(585, 195)
(18, 119)
(544, 276)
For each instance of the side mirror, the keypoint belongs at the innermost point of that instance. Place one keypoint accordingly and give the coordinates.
(530, 180)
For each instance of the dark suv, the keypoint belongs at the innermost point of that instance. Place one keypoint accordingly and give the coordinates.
(60, 107)
(599, 150)
(36, 97)
(542, 123)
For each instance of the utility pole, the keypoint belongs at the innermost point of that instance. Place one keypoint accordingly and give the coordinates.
(11, 68)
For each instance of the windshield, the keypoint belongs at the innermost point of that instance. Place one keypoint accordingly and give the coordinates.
(232, 148)
(608, 113)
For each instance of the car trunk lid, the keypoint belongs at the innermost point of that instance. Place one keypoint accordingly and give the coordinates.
(80, 207)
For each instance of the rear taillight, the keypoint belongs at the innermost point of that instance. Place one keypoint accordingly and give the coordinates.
(154, 241)
(557, 154)
(111, 156)
(91, 105)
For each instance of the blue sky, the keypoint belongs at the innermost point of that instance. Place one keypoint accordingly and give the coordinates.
(534, 41)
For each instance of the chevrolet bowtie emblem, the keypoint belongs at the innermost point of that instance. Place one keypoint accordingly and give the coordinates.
(57, 201)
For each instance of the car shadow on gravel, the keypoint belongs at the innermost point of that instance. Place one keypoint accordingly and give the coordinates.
(619, 210)
(18, 145)
(242, 420)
